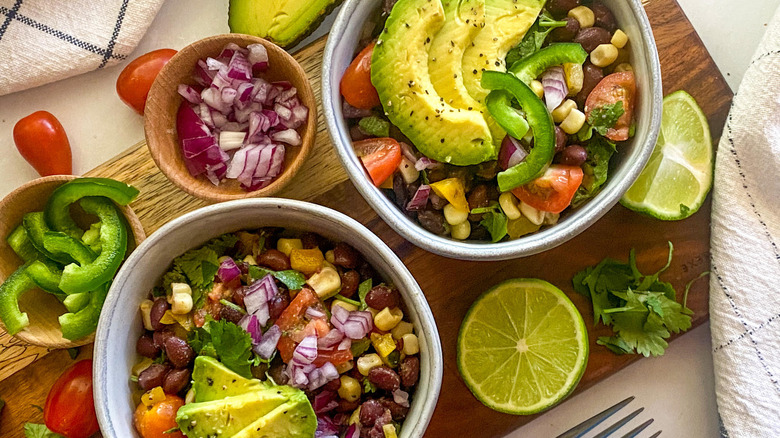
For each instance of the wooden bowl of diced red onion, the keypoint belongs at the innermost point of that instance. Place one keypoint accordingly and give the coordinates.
(230, 116)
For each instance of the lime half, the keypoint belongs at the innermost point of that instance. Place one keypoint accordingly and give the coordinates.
(522, 347)
(678, 176)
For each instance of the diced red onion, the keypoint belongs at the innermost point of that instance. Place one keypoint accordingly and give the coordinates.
(426, 163)
(228, 270)
(283, 85)
(203, 76)
(213, 98)
(265, 349)
(420, 198)
(243, 95)
(555, 88)
(354, 325)
(401, 397)
(408, 152)
(306, 351)
(213, 64)
(289, 136)
(229, 140)
(266, 286)
(189, 124)
(313, 313)
(325, 401)
(331, 339)
(258, 57)
(512, 153)
(353, 431)
(239, 67)
(251, 324)
(345, 344)
(256, 304)
(190, 94)
(350, 112)
(322, 375)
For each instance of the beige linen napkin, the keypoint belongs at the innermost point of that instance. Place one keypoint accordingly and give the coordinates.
(42, 41)
(745, 279)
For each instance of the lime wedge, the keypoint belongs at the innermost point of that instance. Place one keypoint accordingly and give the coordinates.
(678, 176)
(522, 347)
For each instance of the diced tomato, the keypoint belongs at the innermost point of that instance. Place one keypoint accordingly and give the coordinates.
(292, 316)
(336, 357)
(380, 157)
(552, 191)
(356, 86)
(286, 347)
(612, 89)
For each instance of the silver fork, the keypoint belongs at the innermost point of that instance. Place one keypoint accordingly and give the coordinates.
(583, 428)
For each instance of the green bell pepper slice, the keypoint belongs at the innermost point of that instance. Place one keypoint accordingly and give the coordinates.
(113, 241)
(499, 105)
(538, 118)
(76, 302)
(84, 322)
(531, 67)
(59, 243)
(58, 207)
(10, 291)
(21, 244)
(36, 227)
(46, 275)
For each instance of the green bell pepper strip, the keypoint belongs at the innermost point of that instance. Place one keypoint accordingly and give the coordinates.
(35, 226)
(59, 243)
(77, 302)
(10, 291)
(113, 242)
(91, 237)
(499, 105)
(58, 208)
(531, 67)
(21, 244)
(538, 118)
(46, 275)
(84, 322)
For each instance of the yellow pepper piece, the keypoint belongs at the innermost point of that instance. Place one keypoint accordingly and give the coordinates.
(152, 397)
(388, 184)
(168, 318)
(389, 431)
(383, 344)
(452, 190)
(307, 261)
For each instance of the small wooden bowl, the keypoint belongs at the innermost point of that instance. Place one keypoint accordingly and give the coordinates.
(164, 101)
(41, 307)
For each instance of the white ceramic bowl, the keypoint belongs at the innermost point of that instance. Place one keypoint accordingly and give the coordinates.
(630, 160)
(120, 322)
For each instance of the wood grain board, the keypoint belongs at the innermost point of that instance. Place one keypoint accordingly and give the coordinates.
(26, 372)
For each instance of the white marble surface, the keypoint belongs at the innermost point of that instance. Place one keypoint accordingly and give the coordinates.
(676, 389)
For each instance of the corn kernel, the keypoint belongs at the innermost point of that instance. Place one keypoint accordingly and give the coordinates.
(389, 431)
(153, 396)
(355, 417)
(146, 313)
(575, 77)
(350, 389)
(508, 204)
(325, 283)
(388, 318)
(383, 344)
(559, 114)
(374, 312)
(307, 261)
(619, 39)
(344, 305)
(368, 362)
(329, 257)
(182, 303)
(573, 122)
(462, 231)
(287, 245)
(453, 216)
(345, 366)
(533, 215)
(408, 172)
(551, 218)
(584, 15)
(142, 365)
(190, 397)
(604, 55)
(623, 67)
(411, 344)
(250, 259)
(403, 328)
(537, 88)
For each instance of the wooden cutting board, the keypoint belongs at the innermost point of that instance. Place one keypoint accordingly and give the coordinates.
(27, 372)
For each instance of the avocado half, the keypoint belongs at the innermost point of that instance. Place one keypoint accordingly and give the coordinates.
(284, 22)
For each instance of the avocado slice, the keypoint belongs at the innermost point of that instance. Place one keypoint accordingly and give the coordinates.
(228, 416)
(213, 381)
(285, 22)
(400, 73)
(293, 419)
(506, 23)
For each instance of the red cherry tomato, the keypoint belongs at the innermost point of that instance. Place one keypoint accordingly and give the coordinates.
(157, 420)
(137, 78)
(356, 86)
(552, 191)
(70, 409)
(42, 141)
(380, 156)
(612, 89)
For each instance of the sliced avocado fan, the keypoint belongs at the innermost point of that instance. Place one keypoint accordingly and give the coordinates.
(285, 22)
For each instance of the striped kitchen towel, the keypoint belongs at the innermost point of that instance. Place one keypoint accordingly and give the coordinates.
(42, 41)
(745, 278)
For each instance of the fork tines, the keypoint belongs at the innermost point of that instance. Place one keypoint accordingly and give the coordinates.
(581, 429)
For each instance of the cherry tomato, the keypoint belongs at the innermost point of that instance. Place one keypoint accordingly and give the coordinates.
(137, 78)
(356, 86)
(552, 191)
(612, 89)
(70, 409)
(157, 420)
(42, 141)
(380, 156)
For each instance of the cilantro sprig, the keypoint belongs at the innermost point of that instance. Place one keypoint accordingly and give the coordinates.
(534, 38)
(227, 342)
(494, 220)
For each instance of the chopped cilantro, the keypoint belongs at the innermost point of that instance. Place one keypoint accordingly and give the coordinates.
(294, 280)
(605, 117)
(360, 346)
(534, 38)
(495, 222)
(363, 290)
(368, 387)
(226, 341)
(600, 151)
(375, 126)
(32, 430)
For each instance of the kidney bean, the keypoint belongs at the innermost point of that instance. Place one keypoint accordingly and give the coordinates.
(560, 8)
(274, 259)
(397, 411)
(153, 376)
(437, 174)
(592, 37)
(384, 378)
(382, 296)
(310, 240)
(574, 155)
(350, 280)
(278, 303)
(238, 296)
(399, 189)
(377, 431)
(409, 371)
(347, 406)
(178, 351)
(158, 310)
(176, 380)
(333, 385)
(160, 336)
(560, 139)
(433, 221)
(230, 314)
(370, 411)
(566, 33)
(345, 256)
(366, 271)
(604, 16)
(146, 347)
(478, 198)
(592, 75)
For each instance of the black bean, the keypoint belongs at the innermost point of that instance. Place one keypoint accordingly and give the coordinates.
(274, 259)
(377, 431)
(382, 296)
(160, 336)
(574, 155)
(566, 33)
(592, 37)
(400, 191)
(592, 75)
(560, 8)
(478, 198)
(310, 240)
(433, 221)
(350, 280)
(146, 347)
(176, 380)
(178, 351)
(357, 134)
(561, 138)
(384, 378)
(228, 313)
(158, 310)
(409, 371)
(153, 376)
(397, 411)
(278, 303)
(604, 17)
